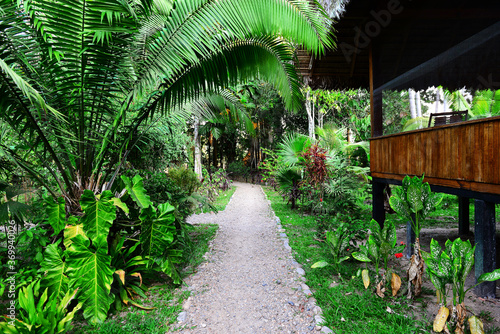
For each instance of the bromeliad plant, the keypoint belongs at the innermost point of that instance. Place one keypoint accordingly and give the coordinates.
(413, 201)
(338, 243)
(451, 267)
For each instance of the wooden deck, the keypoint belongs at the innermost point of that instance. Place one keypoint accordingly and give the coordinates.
(462, 155)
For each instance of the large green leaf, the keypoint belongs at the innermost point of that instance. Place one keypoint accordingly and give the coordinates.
(70, 232)
(56, 213)
(90, 271)
(489, 277)
(157, 229)
(99, 215)
(55, 271)
(136, 190)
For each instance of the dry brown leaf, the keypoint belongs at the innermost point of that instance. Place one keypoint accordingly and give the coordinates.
(121, 274)
(395, 284)
(461, 315)
(381, 289)
(440, 320)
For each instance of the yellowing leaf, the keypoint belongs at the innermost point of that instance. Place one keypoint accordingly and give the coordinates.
(395, 284)
(476, 326)
(440, 320)
(137, 275)
(121, 274)
(366, 278)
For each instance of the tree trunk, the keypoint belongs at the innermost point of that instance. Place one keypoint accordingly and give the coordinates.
(419, 105)
(197, 148)
(310, 114)
(413, 109)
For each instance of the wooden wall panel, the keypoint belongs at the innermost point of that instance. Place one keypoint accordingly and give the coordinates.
(461, 155)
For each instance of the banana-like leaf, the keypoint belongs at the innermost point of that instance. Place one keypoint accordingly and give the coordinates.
(70, 232)
(373, 248)
(55, 278)
(489, 277)
(320, 264)
(361, 257)
(99, 214)
(90, 271)
(157, 232)
(136, 190)
(57, 213)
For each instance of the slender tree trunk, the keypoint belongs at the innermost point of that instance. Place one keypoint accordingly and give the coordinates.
(197, 148)
(413, 111)
(310, 114)
(419, 105)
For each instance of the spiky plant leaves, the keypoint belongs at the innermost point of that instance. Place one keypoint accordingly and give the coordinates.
(89, 269)
(99, 214)
(56, 213)
(54, 269)
(135, 189)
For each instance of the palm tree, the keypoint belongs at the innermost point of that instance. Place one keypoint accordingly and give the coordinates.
(78, 78)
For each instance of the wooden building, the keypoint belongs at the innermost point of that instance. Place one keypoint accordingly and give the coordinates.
(402, 44)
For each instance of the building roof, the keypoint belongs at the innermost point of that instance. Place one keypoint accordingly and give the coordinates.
(414, 44)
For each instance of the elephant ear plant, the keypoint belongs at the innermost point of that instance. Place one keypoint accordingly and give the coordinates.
(413, 201)
(451, 267)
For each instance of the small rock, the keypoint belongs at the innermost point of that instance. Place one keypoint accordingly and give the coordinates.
(301, 271)
(319, 318)
(291, 303)
(186, 304)
(318, 328)
(203, 325)
(326, 330)
(182, 317)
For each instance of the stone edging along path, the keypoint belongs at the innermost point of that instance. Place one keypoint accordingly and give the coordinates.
(250, 282)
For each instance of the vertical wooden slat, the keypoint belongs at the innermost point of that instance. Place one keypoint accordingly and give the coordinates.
(479, 154)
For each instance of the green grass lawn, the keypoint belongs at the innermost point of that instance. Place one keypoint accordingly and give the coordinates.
(347, 306)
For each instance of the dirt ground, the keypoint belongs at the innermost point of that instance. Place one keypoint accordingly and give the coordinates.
(488, 309)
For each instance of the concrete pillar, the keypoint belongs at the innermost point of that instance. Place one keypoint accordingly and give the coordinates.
(485, 253)
(463, 216)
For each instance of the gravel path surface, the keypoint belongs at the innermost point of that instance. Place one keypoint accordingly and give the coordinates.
(250, 282)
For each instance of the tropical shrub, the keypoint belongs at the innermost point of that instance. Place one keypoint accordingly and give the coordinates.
(41, 313)
(451, 267)
(413, 201)
(338, 243)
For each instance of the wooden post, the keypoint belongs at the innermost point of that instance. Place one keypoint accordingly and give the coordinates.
(485, 245)
(375, 100)
(378, 210)
(463, 216)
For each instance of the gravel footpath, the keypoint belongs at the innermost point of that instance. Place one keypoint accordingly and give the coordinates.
(250, 282)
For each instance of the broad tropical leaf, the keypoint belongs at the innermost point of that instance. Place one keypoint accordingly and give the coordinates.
(90, 271)
(99, 215)
(157, 229)
(55, 278)
(56, 213)
(135, 189)
(70, 232)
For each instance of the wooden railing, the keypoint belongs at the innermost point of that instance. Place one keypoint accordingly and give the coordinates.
(462, 155)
